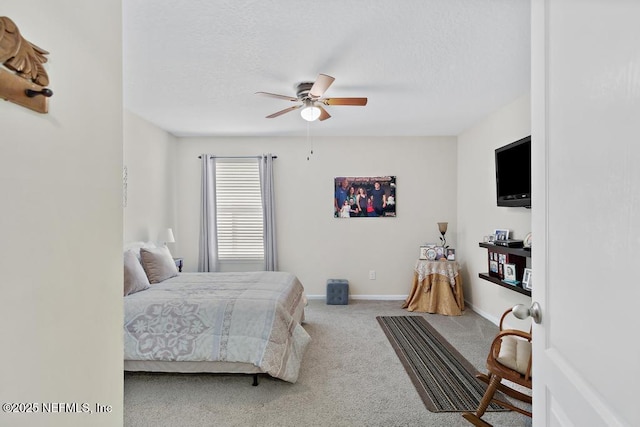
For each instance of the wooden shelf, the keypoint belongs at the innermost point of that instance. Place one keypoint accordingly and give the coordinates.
(517, 252)
(497, 281)
(505, 250)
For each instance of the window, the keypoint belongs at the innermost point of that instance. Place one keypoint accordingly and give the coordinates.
(239, 210)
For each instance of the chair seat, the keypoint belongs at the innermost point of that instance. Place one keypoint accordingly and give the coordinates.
(515, 354)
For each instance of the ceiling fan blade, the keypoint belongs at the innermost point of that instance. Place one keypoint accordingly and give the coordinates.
(320, 86)
(274, 95)
(324, 115)
(281, 112)
(344, 101)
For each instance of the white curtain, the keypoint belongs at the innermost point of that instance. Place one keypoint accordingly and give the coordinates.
(269, 220)
(208, 255)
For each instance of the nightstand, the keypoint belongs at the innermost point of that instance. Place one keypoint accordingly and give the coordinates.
(178, 262)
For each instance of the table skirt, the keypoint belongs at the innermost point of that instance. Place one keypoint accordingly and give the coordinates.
(435, 294)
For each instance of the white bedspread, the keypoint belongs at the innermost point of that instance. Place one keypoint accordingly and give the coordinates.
(233, 317)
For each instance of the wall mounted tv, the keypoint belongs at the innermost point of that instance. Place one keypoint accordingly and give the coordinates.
(513, 173)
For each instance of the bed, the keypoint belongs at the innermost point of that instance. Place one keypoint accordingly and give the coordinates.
(248, 323)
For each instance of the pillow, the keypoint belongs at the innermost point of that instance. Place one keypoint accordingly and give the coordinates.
(135, 279)
(515, 353)
(136, 246)
(158, 264)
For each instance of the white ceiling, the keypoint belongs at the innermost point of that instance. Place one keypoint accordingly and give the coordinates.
(428, 67)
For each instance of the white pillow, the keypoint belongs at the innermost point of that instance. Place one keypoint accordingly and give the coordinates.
(515, 353)
(135, 279)
(158, 264)
(136, 246)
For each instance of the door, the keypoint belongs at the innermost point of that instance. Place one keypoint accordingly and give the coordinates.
(586, 211)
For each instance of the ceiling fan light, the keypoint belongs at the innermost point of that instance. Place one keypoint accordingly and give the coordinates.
(310, 113)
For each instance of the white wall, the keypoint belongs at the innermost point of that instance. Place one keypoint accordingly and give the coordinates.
(61, 219)
(478, 214)
(312, 243)
(149, 156)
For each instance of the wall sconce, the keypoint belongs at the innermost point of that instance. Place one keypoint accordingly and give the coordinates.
(442, 227)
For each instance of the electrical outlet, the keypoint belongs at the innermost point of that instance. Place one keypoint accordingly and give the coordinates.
(372, 275)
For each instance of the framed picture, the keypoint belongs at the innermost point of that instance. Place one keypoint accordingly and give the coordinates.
(501, 234)
(428, 252)
(527, 283)
(510, 273)
(451, 254)
(440, 252)
(364, 197)
(493, 266)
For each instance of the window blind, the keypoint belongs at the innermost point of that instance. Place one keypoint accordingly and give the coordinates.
(239, 210)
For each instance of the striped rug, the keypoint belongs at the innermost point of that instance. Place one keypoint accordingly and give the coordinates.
(444, 379)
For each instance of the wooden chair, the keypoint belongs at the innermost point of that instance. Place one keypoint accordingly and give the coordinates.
(510, 359)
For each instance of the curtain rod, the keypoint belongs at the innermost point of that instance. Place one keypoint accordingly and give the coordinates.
(237, 157)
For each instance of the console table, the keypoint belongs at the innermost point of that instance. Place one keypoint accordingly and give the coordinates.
(437, 288)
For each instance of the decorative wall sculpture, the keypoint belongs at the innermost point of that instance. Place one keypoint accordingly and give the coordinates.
(26, 86)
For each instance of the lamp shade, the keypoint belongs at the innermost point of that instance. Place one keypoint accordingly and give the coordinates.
(442, 227)
(166, 236)
(310, 111)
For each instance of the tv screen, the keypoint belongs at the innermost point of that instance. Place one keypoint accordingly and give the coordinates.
(513, 173)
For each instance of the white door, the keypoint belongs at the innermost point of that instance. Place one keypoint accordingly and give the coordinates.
(586, 211)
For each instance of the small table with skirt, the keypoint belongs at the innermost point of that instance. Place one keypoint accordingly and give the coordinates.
(437, 288)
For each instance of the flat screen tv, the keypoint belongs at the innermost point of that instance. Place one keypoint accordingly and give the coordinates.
(513, 173)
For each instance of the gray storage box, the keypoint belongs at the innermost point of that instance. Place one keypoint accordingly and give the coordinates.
(337, 292)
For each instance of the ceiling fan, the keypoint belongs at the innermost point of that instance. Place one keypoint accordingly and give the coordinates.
(309, 96)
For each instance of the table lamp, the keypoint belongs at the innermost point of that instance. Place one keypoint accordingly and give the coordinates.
(442, 226)
(166, 236)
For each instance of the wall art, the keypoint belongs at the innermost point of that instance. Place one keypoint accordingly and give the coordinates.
(364, 197)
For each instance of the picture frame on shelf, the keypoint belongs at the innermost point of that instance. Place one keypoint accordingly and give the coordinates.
(451, 254)
(527, 282)
(440, 253)
(501, 234)
(510, 273)
(493, 266)
(527, 240)
(428, 252)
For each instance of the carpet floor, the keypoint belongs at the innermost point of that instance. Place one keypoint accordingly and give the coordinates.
(443, 378)
(350, 377)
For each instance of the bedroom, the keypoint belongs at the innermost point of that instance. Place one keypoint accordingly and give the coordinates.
(88, 216)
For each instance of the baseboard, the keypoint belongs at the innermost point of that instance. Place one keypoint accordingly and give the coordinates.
(484, 314)
(365, 297)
